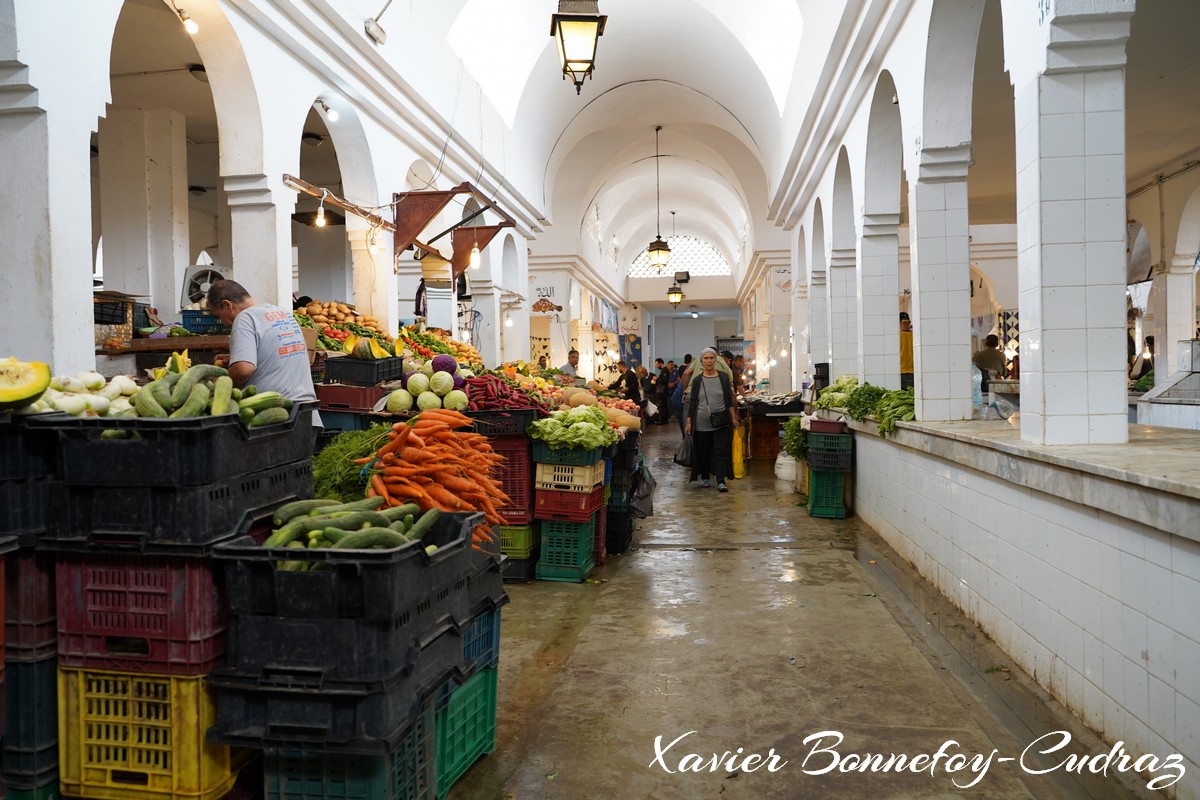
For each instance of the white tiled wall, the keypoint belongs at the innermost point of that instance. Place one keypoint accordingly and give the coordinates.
(879, 326)
(843, 314)
(1102, 612)
(818, 319)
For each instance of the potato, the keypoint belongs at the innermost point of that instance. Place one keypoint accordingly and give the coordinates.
(342, 307)
(321, 318)
(313, 308)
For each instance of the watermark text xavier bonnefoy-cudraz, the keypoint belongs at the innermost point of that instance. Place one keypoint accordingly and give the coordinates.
(823, 754)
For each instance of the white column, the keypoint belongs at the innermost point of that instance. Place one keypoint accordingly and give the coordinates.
(800, 356)
(46, 261)
(144, 203)
(260, 221)
(879, 290)
(1071, 252)
(941, 278)
(818, 319)
(1180, 323)
(843, 314)
(488, 329)
(375, 282)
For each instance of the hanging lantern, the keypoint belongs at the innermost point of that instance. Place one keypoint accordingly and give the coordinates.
(576, 28)
(674, 295)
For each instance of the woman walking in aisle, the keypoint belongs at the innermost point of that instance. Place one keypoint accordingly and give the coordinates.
(712, 416)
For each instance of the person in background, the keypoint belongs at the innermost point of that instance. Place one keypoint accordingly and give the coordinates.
(728, 356)
(661, 392)
(627, 383)
(542, 362)
(739, 374)
(676, 400)
(266, 347)
(990, 358)
(572, 366)
(301, 302)
(687, 362)
(647, 383)
(712, 416)
(906, 352)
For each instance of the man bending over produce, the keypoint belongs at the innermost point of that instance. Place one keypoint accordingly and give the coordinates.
(266, 347)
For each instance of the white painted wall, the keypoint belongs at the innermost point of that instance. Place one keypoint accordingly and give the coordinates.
(324, 262)
(675, 336)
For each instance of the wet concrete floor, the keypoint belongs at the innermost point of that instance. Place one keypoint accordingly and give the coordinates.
(740, 622)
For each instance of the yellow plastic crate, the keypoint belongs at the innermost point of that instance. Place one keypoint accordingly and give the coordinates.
(133, 734)
(568, 478)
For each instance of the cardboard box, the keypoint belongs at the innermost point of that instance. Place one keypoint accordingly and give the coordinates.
(310, 341)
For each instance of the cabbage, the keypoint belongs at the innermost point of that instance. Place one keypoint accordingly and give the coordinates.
(455, 400)
(459, 381)
(417, 384)
(426, 369)
(444, 363)
(399, 401)
(441, 384)
(428, 400)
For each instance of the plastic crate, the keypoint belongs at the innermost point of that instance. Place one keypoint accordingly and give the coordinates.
(344, 421)
(544, 454)
(125, 736)
(825, 461)
(203, 323)
(518, 541)
(485, 582)
(25, 508)
(187, 517)
(600, 541)
(568, 550)
(512, 422)
(608, 470)
(830, 442)
(481, 640)
(362, 618)
(632, 441)
(30, 745)
(138, 613)
(291, 710)
(515, 475)
(521, 570)
(826, 426)
(110, 312)
(826, 494)
(619, 501)
(47, 791)
(30, 632)
(363, 373)
(192, 451)
(342, 397)
(619, 533)
(466, 728)
(568, 478)
(407, 773)
(25, 451)
(624, 462)
(570, 506)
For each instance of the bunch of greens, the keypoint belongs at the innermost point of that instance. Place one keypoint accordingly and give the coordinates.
(893, 407)
(335, 475)
(1145, 383)
(795, 439)
(836, 394)
(584, 427)
(861, 402)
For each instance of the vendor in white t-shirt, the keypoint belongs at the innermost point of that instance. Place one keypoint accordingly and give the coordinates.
(572, 366)
(266, 346)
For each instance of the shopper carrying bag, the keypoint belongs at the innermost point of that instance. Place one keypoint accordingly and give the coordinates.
(712, 416)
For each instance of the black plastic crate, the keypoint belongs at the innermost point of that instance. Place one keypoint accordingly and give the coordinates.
(521, 570)
(25, 451)
(630, 442)
(363, 373)
(30, 629)
(195, 451)
(827, 461)
(25, 508)
(142, 518)
(620, 531)
(363, 617)
(110, 312)
(503, 423)
(30, 745)
(294, 710)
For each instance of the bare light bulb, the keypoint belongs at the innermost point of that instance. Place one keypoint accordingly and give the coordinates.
(508, 321)
(373, 246)
(189, 24)
(320, 220)
(473, 261)
(783, 353)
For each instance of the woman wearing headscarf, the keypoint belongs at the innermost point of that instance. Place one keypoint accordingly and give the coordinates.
(712, 416)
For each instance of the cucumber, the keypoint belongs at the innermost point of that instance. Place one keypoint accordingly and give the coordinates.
(399, 512)
(424, 524)
(369, 538)
(300, 526)
(270, 416)
(146, 405)
(334, 535)
(236, 394)
(195, 404)
(262, 401)
(399, 527)
(409, 519)
(161, 392)
(286, 512)
(248, 392)
(171, 378)
(200, 372)
(246, 415)
(366, 504)
(222, 397)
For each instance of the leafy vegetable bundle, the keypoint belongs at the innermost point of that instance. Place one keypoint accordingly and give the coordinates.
(584, 426)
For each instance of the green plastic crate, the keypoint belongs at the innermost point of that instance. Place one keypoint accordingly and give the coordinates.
(466, 728)
(47, 792)
(518, 541)
(567, 552)
(544, 454)
(825, 494)
(407, 773)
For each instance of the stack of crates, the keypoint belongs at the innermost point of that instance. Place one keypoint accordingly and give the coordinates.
(340, 675)
(568, 505)
(518, 536)
(830, 457)
(626, 460)
(141, 617)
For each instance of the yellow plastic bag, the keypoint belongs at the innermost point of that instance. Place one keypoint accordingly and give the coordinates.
(739, 452)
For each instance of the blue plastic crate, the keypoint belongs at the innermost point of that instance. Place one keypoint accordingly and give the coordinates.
(481, 640)
(202, 323)
(608, 471)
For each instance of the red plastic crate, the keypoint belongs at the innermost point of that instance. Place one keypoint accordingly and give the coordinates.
(601, 536)
(30, 633)
(344, 397)
(826, 426)
(571, 506)
(516, 477)
(139, 613)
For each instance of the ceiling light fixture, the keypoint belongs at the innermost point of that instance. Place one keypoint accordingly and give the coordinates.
(674, 296)
(473, 260)
(372, 27)
(508, 319)
(575, 28)
(330, 114)
(372, 245)
(695, 313)
(198, 72)
(311, 139)
(658, 250)
(320, 220)
(189, 24)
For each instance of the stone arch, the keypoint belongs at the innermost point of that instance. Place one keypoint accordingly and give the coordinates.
(1187, 243)
(510, 263)
(842, 223)
(885, 150)
(355, 162)
(817, 264)
(950, 72)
